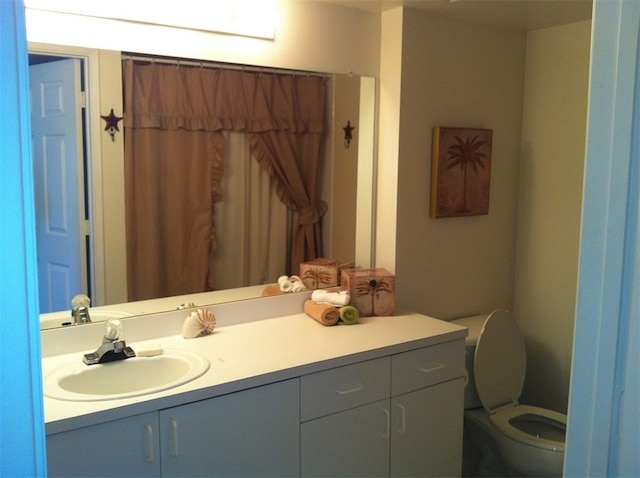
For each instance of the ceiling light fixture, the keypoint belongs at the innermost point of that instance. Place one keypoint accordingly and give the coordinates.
(252, 18)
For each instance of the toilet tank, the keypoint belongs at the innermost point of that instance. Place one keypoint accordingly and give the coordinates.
(474, 324)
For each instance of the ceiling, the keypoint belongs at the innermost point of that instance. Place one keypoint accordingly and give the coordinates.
(522, 15)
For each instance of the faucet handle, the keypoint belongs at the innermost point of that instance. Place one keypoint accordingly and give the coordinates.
(112, 347)
(113, 329)
(80, 300)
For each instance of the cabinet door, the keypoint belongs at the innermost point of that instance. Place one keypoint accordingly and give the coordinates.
(254, 432)
(426, 431)
(126, 447)
(350, 443)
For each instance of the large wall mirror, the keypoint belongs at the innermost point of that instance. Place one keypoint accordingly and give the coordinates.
(97, 184)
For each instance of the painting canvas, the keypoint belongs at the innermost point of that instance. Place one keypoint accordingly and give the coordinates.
(460, 172)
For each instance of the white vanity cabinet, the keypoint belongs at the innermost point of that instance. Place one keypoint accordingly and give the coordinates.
(125, 447)
(403, 420)
(254, 432)
(283, 397)
(427, 411)
(250, 433)
(345, 420)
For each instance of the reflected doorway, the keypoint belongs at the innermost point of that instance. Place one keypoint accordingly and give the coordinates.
(60, 170)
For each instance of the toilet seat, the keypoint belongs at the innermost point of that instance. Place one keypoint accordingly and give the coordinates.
(503, 417)
(500, 362)
(499, 369)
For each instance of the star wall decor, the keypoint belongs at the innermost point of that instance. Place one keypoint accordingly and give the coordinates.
(348, 133)
(112, 124)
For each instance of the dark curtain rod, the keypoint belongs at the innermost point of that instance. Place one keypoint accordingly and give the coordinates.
(221, 66)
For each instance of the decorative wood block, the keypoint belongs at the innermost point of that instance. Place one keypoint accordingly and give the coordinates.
(323, 272)
(373, 291)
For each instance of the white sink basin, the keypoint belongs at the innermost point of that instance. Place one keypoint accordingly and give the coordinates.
(64, 319)
(75, 381)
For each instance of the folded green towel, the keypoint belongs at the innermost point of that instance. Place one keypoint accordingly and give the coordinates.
(349, 315)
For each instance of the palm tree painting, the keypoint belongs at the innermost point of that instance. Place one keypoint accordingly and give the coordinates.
(460, 172)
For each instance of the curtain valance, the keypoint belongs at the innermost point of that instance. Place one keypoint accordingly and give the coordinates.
(173, 97)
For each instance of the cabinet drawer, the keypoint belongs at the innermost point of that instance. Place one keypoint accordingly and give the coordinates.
(427, 366)
(338, 389)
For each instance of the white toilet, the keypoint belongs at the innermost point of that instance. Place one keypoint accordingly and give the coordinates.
(506, 437)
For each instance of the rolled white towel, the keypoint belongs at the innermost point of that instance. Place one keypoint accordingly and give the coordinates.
(298, 287)
(337, 299)
(285, 284)
(297, 284)
(291, 284)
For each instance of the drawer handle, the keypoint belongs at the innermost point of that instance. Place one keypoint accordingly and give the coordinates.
(357, 388)
(387, 430)
(149, 433)
(437, 366)
(403, 419)
(174, 437)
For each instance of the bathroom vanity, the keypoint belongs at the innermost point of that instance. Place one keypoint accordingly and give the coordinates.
(283, 396)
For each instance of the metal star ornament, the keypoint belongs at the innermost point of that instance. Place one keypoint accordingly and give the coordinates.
(112, 124)
(348, 134)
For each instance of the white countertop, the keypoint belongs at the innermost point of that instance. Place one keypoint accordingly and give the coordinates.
(245, 355)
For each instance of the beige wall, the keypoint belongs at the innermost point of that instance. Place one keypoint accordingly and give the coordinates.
(310, 36)
(457, 74)
(551, 174)
(386, 204)
(339, 222)
(113, 289)
(532, 91)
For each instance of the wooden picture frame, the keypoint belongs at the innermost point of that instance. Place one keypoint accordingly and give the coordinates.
(460, 172)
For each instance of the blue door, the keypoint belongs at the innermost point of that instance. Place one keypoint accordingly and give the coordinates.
(56, 109)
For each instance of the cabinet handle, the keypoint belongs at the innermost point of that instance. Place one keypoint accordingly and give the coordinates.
(149, 433)
(357, 388)
(403, 415)
(387, 418)
(174, 437)
(437, 366)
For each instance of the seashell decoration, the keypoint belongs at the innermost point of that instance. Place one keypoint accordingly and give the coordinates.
(198, 323)
(186, 305)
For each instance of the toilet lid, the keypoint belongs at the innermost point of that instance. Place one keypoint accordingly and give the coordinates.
(500, 362)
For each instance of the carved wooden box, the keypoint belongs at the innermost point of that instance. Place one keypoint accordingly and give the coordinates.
(373, 291)
(323, 272)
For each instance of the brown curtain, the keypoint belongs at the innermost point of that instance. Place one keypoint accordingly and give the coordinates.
(284, 115)
(169, 195)
(292, 160)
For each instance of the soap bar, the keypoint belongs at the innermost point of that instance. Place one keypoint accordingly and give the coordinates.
(149, 351)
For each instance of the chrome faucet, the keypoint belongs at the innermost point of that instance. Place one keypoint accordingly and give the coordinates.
(112, 347)
(80, 309)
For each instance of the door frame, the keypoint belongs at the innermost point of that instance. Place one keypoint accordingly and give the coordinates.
(604, 311)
